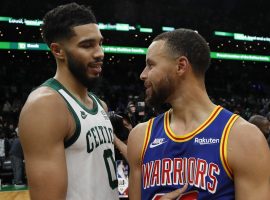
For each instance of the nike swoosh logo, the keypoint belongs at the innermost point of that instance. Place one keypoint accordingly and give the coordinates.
(157, 144)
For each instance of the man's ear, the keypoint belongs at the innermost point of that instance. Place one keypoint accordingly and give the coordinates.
(57, 50)
(182, 65)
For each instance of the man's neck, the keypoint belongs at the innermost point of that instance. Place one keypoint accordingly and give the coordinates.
(73, 86)
(190, 109)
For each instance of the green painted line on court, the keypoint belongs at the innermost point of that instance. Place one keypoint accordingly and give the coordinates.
(12, 188)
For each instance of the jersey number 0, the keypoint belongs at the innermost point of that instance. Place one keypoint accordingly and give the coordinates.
(110, 166)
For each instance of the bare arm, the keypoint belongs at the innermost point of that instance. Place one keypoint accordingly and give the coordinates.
(249, 158)
(134, 149)
(121, 146)
(43, 126)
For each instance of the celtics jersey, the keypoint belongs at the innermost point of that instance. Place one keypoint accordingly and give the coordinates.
(198, 158)
(90, 151)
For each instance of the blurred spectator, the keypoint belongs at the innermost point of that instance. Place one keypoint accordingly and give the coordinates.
(1, 120)
(126, 122)
(268, 116)
(120, 135)
(10, 131)
(263, 124)
(6, 107)
(131, 112)
(4, 147)
(16, 157)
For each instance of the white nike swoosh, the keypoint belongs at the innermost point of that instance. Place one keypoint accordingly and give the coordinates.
(155, 145)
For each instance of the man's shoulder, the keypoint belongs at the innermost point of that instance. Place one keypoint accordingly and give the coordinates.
(244, 137)
(140, 128)
(139, 131)
(43, 95)
(43, 100)
(135, 143)
(245, 130)
(44, 111)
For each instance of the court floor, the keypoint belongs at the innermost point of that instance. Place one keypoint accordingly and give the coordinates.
(9, 192)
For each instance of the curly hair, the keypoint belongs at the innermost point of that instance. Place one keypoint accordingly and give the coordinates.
(58, 22)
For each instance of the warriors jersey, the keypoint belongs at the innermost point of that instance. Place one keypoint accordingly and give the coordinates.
(198, 158)
(90, 151)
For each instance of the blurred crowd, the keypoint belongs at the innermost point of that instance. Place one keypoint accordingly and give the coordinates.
(243, 90)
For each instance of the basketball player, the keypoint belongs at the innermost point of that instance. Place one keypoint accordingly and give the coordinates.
(66, 134)
(217, 153)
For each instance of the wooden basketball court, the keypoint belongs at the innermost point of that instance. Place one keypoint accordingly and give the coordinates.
(11, 193)
(15, 195)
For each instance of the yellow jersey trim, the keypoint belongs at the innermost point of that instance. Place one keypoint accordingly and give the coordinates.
(147, 137)
(189, 136)
(224, 145)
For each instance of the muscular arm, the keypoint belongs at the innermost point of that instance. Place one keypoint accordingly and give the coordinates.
(43, 126)
(134, 149)
(249, 158)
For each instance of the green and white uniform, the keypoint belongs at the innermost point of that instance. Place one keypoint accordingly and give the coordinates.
(90, 151)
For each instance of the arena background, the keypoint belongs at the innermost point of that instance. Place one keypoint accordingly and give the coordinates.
(240, 83)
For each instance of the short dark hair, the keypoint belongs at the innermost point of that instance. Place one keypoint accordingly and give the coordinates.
(257, 119)
(189, 43)
(58, 22)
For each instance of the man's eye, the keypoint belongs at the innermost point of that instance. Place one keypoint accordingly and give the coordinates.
(87, 45)
(150, 65)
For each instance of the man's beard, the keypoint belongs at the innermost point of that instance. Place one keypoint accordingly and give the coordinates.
(159, 94)
(79, 71)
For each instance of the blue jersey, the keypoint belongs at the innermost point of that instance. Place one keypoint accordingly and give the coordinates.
(198, 158)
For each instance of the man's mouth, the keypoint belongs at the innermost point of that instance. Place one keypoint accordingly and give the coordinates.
(96, 65)
(95, 68)
(147, 85)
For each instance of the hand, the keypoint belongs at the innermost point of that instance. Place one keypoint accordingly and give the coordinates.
(174, 194)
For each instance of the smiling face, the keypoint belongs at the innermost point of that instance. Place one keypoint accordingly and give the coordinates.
(158, 74)
(84, 54)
